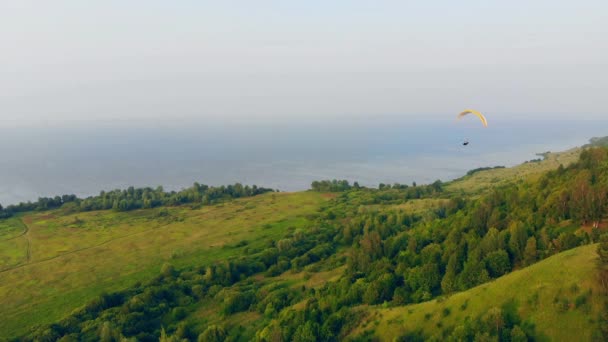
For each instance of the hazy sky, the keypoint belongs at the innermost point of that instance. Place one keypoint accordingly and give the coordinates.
(289, 60)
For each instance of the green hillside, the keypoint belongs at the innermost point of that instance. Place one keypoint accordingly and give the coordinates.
(64, 260)
(501, 254)
(486, 179)
(557, 294)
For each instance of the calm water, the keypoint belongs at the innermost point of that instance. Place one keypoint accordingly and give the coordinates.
(86, 157)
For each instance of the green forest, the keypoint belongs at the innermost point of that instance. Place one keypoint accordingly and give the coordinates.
(345, 262)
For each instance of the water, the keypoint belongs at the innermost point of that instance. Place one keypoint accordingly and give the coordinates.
(47, 159)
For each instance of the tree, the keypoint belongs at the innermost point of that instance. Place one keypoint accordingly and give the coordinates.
(490, 242)
(305, 333)
(530, 251)
(167, 270)
(371, 244)
(372, 294)
(473, 274)
(602, 251)
(603, 323)
(105, 335)
(213, 333)
(494, 320)
(518, 335)
(498, 263)
(448, 283)
(517, 240)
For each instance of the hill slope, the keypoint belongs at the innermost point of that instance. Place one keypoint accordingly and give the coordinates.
(546, 293)
(63, 260)
(486, 179)
(316, 265)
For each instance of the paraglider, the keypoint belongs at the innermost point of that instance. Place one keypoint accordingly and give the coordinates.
(481, 117)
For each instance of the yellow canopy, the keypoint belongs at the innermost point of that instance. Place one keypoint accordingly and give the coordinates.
(476, 113)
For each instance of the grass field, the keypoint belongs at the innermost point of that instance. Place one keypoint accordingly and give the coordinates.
(11, 228)
(75, 257)
(412, 206)
(545, 293)
(14, 245)
(482, 180)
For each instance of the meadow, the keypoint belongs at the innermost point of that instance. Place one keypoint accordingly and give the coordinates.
(75, 257)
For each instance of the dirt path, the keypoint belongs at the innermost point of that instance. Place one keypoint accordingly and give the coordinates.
(26, 229)
(29, 244)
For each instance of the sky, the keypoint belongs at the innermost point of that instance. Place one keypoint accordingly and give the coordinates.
(297, 61)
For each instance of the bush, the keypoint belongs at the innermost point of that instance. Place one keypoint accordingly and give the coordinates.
(464, 305)
(179, 313)
(213, 333)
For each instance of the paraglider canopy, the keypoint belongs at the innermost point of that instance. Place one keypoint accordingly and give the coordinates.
(476, 113)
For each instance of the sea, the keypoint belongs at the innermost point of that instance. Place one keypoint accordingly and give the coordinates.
(85, 157)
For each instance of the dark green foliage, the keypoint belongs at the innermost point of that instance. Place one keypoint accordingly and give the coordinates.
(502, 324)
(471, 172)
(411, 337)
(582, 299)
(213, 333)
(140, 198)
(330, 186)
(498, 263)
(464, 305)
(238, 301)
(603, 322)
(602, 251)
(518, 335)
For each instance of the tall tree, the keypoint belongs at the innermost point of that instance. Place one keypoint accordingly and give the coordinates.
(530, 251)
(602, 251)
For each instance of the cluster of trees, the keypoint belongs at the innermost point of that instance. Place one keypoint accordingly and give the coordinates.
(393, 257)
(474, 171)
(333, 185)
(595, 142)
(398, 258)
(138, 198)
(471, 242)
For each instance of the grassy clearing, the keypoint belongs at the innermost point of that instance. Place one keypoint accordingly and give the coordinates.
(311, 279)
(12, 252)
(421, 206)
(11, 228)
(412, 206)
(78, 256)
(546, 293)
(482, 180)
